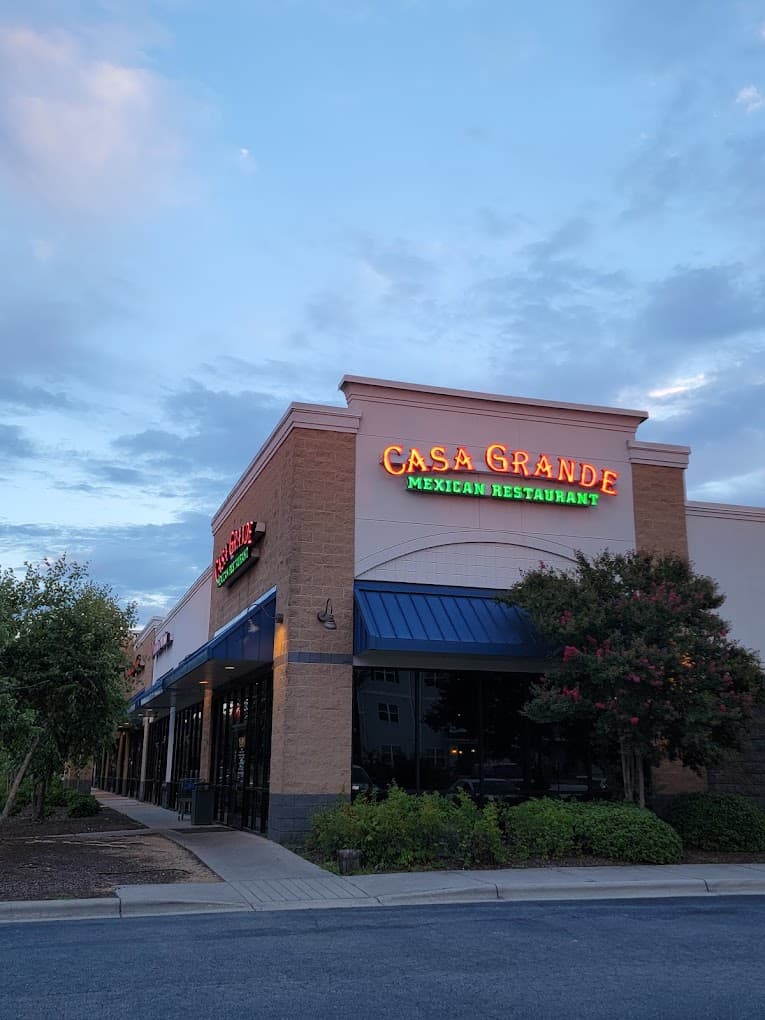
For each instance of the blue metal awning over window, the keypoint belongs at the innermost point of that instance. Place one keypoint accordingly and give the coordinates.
(393, 617)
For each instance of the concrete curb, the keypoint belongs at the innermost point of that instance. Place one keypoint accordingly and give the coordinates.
(59, 910)
(467, 894)
(734, 887)
(340, 904)
(164, 907)
(113, 906)
(606, 890)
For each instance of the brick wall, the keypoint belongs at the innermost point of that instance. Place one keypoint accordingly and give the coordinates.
(745, 775)
(305, 496)
(659, 501)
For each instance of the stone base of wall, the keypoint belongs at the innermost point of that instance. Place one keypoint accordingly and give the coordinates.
(289, 814)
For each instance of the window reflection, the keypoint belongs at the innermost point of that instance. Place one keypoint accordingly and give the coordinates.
(463, 730)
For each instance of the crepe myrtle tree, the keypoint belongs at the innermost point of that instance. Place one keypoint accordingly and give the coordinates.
(640, 654)
(63, 641)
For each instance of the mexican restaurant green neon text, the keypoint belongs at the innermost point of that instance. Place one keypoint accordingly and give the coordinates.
(492, 490)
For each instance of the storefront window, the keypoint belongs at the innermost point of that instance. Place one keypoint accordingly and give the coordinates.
(463, 730)
(241, 751)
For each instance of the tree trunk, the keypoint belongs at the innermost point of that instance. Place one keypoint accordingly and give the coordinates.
(40, 790)
(633, 775)
(19, 778)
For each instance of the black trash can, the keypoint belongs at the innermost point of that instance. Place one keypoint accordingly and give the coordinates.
(202, 804)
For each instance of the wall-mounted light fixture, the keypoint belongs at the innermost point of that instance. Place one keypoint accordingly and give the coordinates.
(326, 617)
(253, 626)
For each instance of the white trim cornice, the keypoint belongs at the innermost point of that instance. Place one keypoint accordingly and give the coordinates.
(658, 454)
(358, 388)
(727, 511)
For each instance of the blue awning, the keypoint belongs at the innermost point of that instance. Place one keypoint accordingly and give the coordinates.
(245, 643)
(393, 617)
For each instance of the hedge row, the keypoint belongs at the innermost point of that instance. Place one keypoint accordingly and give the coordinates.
(78, 805)
(431, 831)
(708, 821)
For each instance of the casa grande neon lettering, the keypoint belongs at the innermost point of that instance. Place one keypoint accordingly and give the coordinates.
(240, 539)
(398, 460)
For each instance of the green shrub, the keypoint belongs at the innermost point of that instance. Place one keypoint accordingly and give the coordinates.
(409, 832)
(619, 832)
(625, 832)
(542, 828)
(57, 795)
(82, 805)
(431, 831)
(711, 821)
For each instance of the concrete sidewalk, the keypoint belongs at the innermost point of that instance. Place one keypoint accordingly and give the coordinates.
(260, 875)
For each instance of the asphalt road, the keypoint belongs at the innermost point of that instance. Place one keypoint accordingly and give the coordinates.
(668, 959)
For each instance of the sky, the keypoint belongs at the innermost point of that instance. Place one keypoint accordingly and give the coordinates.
(210, 209)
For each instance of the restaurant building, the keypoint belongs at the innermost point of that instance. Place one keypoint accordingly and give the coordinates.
(347, 632)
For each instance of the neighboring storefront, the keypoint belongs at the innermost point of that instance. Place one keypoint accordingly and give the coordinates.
(351, 630)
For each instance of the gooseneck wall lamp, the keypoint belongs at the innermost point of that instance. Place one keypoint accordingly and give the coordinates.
(326, 617)
(253, 626)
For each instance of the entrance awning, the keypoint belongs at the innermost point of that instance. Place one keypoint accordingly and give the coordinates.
(244, 644)
(423, 618)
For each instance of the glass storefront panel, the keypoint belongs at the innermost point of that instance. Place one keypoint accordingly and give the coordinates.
(241, 753)
(450, 730)
(188, 743)
(155, 762)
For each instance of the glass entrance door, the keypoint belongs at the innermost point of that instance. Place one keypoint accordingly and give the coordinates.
(241, 754)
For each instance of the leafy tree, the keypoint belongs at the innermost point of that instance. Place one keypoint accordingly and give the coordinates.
(641, 656)
(62, 669)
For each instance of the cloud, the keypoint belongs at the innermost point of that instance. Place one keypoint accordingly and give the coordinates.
(673, 161)
(152, 564)
(79, 130)
(571, 234)
(14, 445)
(247, 162)
(330, 313)
(660, 37)
(207, 438)
(731, 488)
(700, 305)
(49, 338)
(394, 271)
(498, 226)
(14, 393)
(679, 387)
(750, 98)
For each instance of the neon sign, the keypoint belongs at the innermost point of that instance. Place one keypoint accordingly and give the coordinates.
(525, 493)
(239, 553)
(161, 643)
(499, 460)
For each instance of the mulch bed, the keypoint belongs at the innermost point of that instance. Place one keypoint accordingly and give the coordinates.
(63, 858)
(58, 824)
